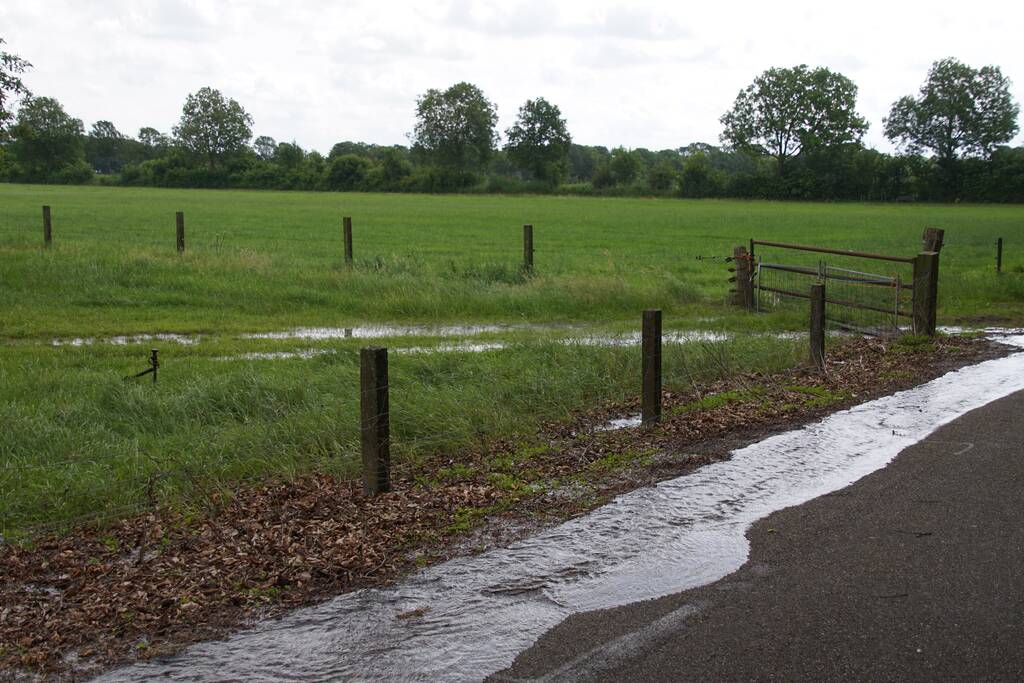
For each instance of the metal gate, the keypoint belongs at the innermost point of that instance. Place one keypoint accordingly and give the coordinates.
(856, 299)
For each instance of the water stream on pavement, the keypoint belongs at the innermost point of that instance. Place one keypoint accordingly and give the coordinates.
(479, 612)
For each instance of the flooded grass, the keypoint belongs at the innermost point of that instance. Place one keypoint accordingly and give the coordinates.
(78, 440)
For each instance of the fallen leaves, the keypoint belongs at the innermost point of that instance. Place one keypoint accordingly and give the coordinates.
(160, 580)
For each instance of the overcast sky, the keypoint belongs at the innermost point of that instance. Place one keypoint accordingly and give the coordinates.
(638, 74)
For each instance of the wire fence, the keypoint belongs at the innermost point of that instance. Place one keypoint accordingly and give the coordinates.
(143, 479)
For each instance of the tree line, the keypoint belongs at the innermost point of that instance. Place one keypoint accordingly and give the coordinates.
(793, 133)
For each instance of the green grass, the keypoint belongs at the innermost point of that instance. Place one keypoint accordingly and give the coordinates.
(270, 260)
(75, 439)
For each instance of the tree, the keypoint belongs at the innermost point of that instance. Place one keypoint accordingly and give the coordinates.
(265, 147)
(105, 147)
(624, 166)
(960, 112)
(46, 141)
(539, 141)
(455, 128)
(289, 155)
(661, 176)
(787, 111)
(212, 126)
(11, 85)
(347, 172)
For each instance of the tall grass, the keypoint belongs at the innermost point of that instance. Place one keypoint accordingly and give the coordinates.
(77, 440)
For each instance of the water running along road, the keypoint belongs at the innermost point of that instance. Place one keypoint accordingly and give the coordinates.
(478, 613)
(912, 573)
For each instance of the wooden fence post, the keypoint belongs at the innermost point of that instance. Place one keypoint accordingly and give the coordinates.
(528, 248)
(179, 220)
(818, 325)
(47, 227)
(375, 421)
(932, 239)
(926, 285)
(650, 345)
(744, 285)
(346, 223)
(999, 255)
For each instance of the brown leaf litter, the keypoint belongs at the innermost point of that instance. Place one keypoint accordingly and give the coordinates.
(84, 601)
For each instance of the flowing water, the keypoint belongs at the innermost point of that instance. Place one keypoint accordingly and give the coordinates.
(475, 614)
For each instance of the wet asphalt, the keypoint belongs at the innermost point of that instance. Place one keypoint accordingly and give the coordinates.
(915, 572)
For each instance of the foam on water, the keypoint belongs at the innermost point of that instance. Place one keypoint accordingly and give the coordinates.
(479, 612)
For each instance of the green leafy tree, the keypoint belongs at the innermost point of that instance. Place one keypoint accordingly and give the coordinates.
(455, 128)
(624, 166)
(394, 166)
(785, 112)
(289, 155)
(153, 139)
(265, 147)
(347, 172)
(661, 176)
(11, 85)
(539, 141)
(46, 141)
(960, 112)
(213, 127)
(105, 147)
(699, 178)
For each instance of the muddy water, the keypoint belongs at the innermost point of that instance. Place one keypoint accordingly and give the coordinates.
(479, 612)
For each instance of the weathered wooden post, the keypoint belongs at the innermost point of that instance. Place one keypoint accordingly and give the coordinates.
(154, 362)
(926, 285)
(744, 286)
(179, 220)
(650, 345)
(47, 227)
(999, 255)
(818, 325)
(528, 248)
(375, 420)
(346, 223)
(932, 239)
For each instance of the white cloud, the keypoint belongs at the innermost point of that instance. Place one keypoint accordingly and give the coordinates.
(640, 74)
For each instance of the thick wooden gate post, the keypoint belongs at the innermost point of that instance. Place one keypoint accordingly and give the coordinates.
(818, 325)
(375, 420)
(47, 227)
(179, 220)
(932, 239)
(926, 286)
(650, 402)
(528, 248)
(744, 286)
(346, 228)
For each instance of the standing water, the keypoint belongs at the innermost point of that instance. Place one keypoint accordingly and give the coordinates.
(477, 613)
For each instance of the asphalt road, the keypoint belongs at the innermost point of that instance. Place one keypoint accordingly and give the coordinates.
(915, 572)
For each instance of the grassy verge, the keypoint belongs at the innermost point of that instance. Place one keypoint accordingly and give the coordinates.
(78, 441)
(72, 603)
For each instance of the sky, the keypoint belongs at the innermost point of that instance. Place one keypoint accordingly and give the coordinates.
(637, 74)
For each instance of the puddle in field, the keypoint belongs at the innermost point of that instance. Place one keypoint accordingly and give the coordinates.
(477, 613)
(303, 354)
(124, 340)
(621, 423)
(386, 331)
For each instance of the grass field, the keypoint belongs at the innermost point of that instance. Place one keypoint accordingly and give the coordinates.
(75, 439)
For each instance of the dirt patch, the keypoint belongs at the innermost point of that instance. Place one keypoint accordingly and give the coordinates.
(79, 603)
